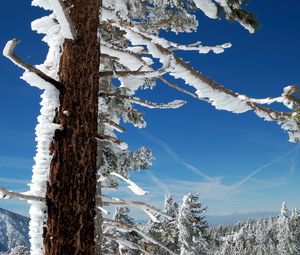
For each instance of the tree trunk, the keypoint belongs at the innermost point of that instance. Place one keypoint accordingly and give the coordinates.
(71, 189)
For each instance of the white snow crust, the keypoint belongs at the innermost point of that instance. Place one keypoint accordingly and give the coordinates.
(208, 7)
(45, 127)
(131, 185)
(63, 18)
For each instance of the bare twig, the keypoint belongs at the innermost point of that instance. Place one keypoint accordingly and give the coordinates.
(9, 194)
(9, 53)
(123, 226)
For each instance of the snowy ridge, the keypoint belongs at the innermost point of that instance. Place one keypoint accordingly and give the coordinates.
(13, 231)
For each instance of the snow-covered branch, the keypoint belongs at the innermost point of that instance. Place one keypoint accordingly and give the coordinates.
(138, 73)
(8, 52)
(6, 194)
(137, 204)
(127, 243)
(174, 104)
(131, 185)
(209, 90)
(123, 227)
(104, 137)
(113, 124)
(62, 14)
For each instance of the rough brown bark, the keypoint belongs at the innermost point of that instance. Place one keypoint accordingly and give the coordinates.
(71, 189)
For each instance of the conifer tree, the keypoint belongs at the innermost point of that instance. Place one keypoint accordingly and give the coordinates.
(192, 226)
(92, 44)
(284, 232)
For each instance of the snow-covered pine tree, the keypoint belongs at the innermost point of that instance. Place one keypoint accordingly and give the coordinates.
(295, 231)
(284, 233)
(165, 230)
(118, 246)
(192, 226)
(19, 250)
(81, 106)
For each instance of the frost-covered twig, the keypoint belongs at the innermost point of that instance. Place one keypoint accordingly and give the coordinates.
(137, 73)
(8, 52)
(173, 104)
(123, 226)
(62, 14)
(111, 123)
(127, 243)
(6, 194)
(131, 185)
(137, 204)
(108, 138)
(209, 90)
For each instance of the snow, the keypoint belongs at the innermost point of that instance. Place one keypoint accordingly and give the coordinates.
(45, 128)
(8, 50)
(13, 231)
(63, 18)
(208, 7)
(152, 217)
(3, 195)
(45, 4)
(131, 185)
(103, 210)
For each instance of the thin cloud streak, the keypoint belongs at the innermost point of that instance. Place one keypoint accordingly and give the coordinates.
(158, 182)
(212, 187)
(14, 181)
(15, 162)
(175, 156)
(256, 171)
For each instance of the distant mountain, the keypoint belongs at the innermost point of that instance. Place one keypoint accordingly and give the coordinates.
(215, 220)
(13, 230)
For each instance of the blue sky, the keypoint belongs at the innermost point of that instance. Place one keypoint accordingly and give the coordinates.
(238, 163)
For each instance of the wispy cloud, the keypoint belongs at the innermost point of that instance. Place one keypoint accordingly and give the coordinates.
(213, 187)
(256, 171)
(158, 182)
(15, 162)
(175, 156)
(294, 160)
(13, 181)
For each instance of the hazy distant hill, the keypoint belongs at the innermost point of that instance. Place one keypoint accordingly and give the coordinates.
(13, 230)
(233, 218)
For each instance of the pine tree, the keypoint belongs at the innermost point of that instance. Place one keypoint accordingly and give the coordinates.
(284, 232)
(19, 250)
(295, 232)
(192, 226)
(82, 103)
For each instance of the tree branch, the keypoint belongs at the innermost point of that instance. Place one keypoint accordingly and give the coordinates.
(114, 124)
(136, 204)
(127, 243)
(278, 116)
(135, 73)
(9, 53)
(6, 194)
(174, 104)
(123, 226)
(64, 19)
(108, 138)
